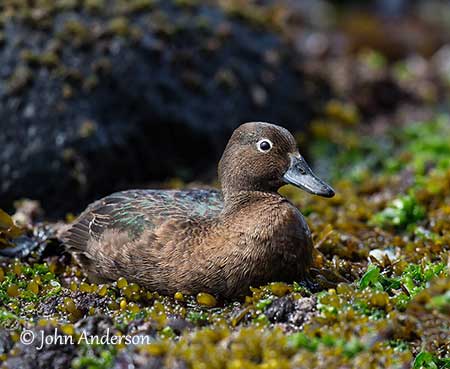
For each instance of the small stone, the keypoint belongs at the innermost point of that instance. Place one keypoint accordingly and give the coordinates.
(178, 296)
(102, 290)
(85, 287)
(280, 289)
(13, 290)
(33, 287)
(123, 304)
(206, 299)
(69, 305)
(122, 282)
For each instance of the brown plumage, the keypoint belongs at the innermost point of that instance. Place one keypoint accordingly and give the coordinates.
(211, 241)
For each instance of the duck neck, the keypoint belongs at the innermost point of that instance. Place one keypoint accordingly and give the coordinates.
(239, 185)
(236, 200)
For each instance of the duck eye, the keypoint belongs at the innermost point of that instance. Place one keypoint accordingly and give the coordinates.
(264, 145)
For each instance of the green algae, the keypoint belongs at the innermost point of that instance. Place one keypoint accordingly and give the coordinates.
(94, 357)
(401, 212)
(427, 360)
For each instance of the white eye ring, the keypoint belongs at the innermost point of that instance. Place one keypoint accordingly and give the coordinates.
(264, 145)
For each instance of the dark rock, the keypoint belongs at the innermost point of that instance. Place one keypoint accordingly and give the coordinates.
(291, 313)
(6, 342)
(380, 96)
(126, 359)
(32, 356)
(96, 101)
(280, 309)
(123, 360)
(83, 301)
(305, 308)
(180, 325)
(141, 326)
(40, 239)
(96, 325)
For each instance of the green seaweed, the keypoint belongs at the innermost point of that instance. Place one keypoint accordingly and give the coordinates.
(400, 213)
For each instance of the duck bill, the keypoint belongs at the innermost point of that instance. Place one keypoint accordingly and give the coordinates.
(300, 175)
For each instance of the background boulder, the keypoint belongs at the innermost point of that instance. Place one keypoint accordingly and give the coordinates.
(95, 99)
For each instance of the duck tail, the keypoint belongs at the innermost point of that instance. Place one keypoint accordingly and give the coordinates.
(76, 237)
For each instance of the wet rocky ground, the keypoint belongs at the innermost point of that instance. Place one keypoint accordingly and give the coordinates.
(381, 273)
(378, 129)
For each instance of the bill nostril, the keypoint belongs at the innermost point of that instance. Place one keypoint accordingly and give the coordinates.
(301, 170)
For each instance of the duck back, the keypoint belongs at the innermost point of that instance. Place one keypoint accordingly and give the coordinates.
(136, 211)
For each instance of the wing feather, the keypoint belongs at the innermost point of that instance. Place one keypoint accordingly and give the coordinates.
(136, 211)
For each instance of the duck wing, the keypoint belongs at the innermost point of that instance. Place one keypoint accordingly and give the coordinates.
(136, 211)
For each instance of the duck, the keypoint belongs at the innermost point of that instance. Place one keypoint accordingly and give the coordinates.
(221, 242)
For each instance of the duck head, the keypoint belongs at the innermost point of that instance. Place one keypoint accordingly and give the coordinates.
(263, 157)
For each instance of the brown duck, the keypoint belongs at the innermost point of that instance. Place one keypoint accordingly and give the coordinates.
(221, 242)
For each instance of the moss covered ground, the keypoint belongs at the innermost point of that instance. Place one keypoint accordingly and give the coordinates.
(382, 287)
